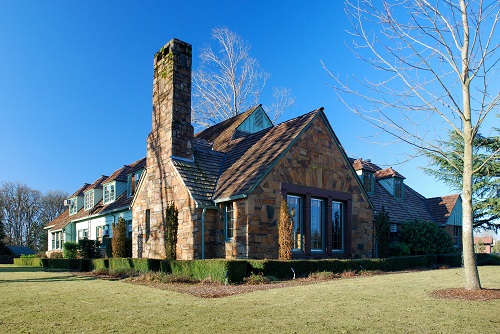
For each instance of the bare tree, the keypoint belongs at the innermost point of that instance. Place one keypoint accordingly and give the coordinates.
(52, 205)
(229, 81)
(437, 65)
(20, 206)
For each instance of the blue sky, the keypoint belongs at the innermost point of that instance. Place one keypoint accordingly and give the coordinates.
(76, 80)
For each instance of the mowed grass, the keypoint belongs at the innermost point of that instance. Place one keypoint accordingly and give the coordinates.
(34, 301)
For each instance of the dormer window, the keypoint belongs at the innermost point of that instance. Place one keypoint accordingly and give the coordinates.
(109, 193)
(398, 188)
(368, 180)
(133, 179)
(89, 200)
(73, 208)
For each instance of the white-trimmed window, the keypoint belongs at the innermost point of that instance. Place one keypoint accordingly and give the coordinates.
(99, 234)
(73, 208)
(89, 200)
(83, 234)
(109, 193)
(57, 240)
(228, 221)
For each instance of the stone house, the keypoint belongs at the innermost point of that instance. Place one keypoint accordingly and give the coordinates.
(228, 181)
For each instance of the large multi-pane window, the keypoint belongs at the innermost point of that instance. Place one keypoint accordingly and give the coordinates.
(312, 229)
(73, 208)
(57, 240)
(295, 207)
(228, 221)
(317, 224)
(89, 200)
(337, 226)
(109, 193)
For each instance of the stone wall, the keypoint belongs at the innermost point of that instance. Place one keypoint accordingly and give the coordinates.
(171, 136)
(314, 161)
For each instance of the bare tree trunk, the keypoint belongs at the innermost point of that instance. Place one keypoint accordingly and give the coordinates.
(470, 266)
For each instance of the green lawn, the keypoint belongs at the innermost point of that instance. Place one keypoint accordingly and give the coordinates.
(34, 301)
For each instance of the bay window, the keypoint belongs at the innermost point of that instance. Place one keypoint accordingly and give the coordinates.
(321, 221)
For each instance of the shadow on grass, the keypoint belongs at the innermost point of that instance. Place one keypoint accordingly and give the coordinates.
(27, 269)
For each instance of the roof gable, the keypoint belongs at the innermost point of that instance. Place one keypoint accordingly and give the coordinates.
(441, 208)
(222, 133)
(249, 159)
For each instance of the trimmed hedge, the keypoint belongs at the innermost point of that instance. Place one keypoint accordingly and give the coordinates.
(217, 270)
(32, 261)
(69, 264)
(138, 265)
(283, 269)
(451, 260)
(99, 264)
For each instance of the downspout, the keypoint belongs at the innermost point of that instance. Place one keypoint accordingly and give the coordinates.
(203, 233)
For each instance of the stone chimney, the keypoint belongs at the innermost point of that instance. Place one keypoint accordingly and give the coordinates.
(172, 133)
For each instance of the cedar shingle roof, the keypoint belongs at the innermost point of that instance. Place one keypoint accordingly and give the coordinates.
(122, 202)
(413, 205)
(440, 207)
(118, 175)
(387, 173)
(80, 191)
(222, 133)
(249, 158)
(97, 183)
(228, 163)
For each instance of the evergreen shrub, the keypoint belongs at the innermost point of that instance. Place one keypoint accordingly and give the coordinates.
(138, 265)
(216, 270)
(30, 261)
(451, 260)
(99, 264)
(70, 250)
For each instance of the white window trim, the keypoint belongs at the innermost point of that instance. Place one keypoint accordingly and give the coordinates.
(90, 203)
(109, 199)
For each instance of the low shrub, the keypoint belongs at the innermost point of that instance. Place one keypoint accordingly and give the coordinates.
(216, 270)
(69, 264)
(399, 249)
(487, 260)
(138, 265)
(28, 256)
(323, 275)
(70, 250)
(450, 260)
(30, 261)
(88, 249)
(304, 268)
(99, 264)
(257, 279)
